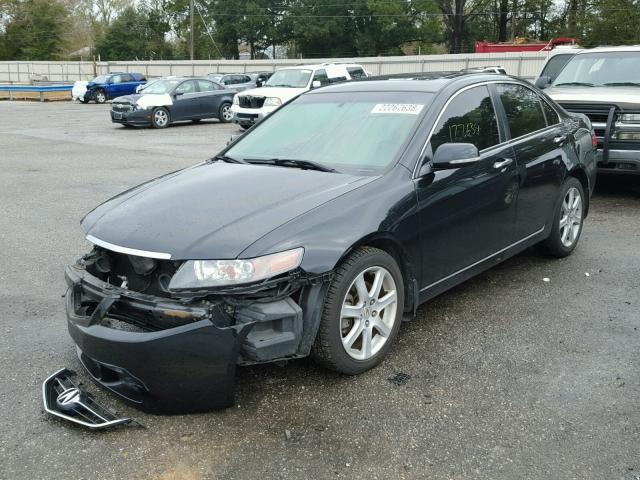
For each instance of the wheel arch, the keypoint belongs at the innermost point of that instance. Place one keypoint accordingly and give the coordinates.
(389, 244)
(580, 174)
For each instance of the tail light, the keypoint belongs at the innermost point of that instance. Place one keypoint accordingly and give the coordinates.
(594, 139)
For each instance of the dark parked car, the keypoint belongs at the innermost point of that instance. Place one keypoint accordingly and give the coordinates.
(319, 230)
(105, 87)
(171, 100)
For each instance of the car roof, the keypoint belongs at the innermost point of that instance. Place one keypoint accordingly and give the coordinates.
(622, 48)
(429, 82)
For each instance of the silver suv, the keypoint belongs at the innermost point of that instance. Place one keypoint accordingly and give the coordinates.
(604, 84)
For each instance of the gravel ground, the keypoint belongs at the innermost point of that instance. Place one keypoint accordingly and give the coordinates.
(505, 377)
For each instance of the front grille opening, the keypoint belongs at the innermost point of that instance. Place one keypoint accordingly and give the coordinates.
(247, 101)
(138, 274)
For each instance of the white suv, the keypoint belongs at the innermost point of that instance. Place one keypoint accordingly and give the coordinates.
(252, 105)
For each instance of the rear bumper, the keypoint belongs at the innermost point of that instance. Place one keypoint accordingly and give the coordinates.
(187, 368)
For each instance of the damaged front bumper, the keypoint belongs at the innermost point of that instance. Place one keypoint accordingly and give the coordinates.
(188, 364)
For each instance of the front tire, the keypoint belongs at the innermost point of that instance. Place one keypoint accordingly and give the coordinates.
(225, 115)
(362, 312)
(100, 96)
(568, 220)
(160, 118)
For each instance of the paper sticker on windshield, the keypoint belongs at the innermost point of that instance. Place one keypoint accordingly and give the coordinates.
(406, 108)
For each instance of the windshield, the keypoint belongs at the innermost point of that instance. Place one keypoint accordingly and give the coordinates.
(291, 77)
(160, 86)
(604, 68)
(356, 132)
(100, 79)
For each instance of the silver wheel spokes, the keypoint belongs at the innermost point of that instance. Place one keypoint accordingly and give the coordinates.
(368, 313)
(160, 117)
(226, 113)
(570, 217)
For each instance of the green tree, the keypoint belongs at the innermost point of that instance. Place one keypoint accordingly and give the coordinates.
(34, 30)
(137, 33)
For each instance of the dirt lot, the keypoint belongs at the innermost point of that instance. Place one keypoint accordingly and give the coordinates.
(510, 376)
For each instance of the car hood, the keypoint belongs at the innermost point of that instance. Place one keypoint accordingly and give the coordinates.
(284, 94)
(213, 210)
(146, 100)
(94, 84)
(625, 97)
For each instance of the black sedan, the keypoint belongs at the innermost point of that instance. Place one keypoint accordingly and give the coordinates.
(320, 229)
(173, 100)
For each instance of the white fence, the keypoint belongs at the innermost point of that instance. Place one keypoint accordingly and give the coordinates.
(522, 64)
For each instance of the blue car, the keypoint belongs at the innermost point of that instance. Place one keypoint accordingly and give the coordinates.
(112, 85)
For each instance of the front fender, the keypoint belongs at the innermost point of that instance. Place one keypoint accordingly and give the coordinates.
(383, 207)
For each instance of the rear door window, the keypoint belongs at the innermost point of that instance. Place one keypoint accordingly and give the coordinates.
(207, 86)
(469, 118)
(355, 72)
(523, 109)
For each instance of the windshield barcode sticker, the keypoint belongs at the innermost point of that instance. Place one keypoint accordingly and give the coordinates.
(407, 108)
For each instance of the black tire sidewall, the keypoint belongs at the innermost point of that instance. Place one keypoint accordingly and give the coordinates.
(331, 314)
(554, 242)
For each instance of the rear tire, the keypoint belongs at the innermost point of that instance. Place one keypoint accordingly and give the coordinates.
(362, 312)
(568, 220)
(160, 118)
(225, 115)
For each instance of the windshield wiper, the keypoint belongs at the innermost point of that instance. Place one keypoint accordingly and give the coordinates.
(621, 84)
(579, 84)
(224, 158)
(290, 162)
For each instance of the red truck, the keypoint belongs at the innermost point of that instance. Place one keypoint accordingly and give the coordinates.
(523, 45)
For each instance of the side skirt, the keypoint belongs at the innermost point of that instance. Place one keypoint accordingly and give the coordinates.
(456, 278)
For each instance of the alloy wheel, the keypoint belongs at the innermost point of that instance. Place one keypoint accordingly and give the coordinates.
(368, 313)
(227, 114)
(570, 217)
(100, 97)
(160, 117)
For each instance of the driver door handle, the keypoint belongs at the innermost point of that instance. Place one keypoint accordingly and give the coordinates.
(559, 139)
(503, 163)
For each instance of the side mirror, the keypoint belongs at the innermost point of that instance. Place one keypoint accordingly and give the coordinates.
(455, 155)
(543, 82)
(316, 84)
(177, 94)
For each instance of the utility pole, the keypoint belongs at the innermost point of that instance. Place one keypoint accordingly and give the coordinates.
(191, 29)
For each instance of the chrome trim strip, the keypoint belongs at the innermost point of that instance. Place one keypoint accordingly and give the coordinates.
(483, 260)
(127, 250)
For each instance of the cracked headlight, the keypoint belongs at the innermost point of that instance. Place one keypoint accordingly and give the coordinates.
(140, 107)
(195, 274)
(272, 102)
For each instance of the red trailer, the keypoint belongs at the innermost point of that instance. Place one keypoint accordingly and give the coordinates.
(523, 45)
